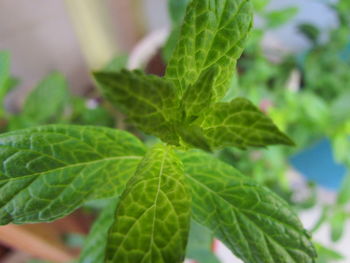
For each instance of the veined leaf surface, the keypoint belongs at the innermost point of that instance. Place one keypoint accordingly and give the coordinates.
(153, 215)
(150, 102)
(213, 33)
(257, 225)
(240, 124)
(49, 171)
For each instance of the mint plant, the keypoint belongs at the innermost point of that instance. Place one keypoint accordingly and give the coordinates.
(50, 171)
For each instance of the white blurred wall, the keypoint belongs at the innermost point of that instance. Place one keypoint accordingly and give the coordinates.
(41, 39)
(310, 11)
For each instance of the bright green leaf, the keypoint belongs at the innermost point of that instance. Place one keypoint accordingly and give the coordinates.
(340, 108)
(153, 215)
(256, 224)
(150, 102)
(117, 64)
(240, 124)
(213, 33)
(326, 255)
(49, 171)
(95, 244)
(260, 5)
(338, 221)
(344, 193)
(199, 96)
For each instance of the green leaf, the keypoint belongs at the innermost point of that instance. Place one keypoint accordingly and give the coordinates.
(5, 78)
(150, 102)
(46, 102)
(49, 171)
(170, 44)
(117, 64)
(200, 244)
(338, 221)
(310, 31)
(213, 34)
(240, 124)
(256, 224)
(95, 244)
(260, 5)
(326, 255)
(344, 194)
(199, 96)
(277, 18)
(153, 215)
(177, 10)
(4, 68)
(192, 136)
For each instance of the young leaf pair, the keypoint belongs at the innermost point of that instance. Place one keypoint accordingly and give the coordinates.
(183, 107)
(49, 171)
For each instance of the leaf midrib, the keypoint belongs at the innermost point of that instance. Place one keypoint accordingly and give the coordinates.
(155, 203)
(71, 166)
(247, 211)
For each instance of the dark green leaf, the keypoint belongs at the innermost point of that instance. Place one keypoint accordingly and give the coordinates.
(49, 171)
(150, 102)
(257, 225)
(153, 215)
(170, 44)
(310, 31)
(193, 136)
(213, 34)
(177, 10)
(95, 244)
(240, 124)
(260, 5)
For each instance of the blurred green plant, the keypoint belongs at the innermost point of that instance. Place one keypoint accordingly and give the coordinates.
(51, 101)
